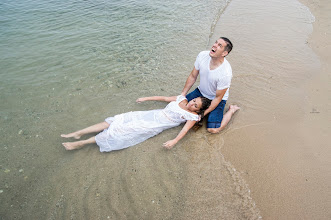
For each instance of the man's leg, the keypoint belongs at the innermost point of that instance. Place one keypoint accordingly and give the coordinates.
(194, 94)
(216, 120)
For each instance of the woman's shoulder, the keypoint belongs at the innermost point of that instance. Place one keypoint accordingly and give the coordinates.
(180, 98)
(192, 116)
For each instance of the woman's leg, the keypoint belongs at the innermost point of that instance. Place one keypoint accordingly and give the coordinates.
(92, 129)
(78, 144)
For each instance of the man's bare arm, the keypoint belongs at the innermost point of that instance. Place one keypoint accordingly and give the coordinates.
(192, 78)
(215, 101)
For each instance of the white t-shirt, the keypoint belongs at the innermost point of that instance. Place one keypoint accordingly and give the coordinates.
(212, 80)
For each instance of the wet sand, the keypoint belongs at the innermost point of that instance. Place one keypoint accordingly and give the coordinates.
(282, 151)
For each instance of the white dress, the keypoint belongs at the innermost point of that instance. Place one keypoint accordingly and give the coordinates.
(131, 128)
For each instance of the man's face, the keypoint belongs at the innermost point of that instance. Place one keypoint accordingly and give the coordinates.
(218, 49)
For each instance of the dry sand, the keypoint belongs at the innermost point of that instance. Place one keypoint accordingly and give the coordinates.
(285, 160)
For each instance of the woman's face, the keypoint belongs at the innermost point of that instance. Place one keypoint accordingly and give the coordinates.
(195, 105)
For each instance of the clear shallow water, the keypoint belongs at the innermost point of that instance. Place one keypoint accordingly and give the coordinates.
(42, 39)
(98, 48)
(67, 65)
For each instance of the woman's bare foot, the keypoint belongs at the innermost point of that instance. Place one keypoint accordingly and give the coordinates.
(75, 135)
(234, 108)
(73, 145)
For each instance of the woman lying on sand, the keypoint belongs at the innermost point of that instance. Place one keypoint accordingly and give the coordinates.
(131, 128)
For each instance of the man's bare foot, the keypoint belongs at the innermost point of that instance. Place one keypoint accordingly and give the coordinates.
(74, 135)
(234, 108)
(73, 145)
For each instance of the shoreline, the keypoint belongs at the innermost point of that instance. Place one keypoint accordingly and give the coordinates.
(284, 158)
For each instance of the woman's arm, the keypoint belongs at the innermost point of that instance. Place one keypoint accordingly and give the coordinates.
(157, 98)
(188, 125)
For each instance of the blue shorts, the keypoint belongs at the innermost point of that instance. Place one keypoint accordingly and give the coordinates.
(214, 117)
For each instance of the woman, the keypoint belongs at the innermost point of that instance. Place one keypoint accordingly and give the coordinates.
(131, 128)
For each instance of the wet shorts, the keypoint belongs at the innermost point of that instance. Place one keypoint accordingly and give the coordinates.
(215, 117)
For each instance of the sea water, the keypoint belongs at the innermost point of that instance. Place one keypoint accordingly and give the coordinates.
(65, 65)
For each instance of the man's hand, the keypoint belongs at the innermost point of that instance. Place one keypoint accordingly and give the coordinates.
(214, 103)
(169, 144)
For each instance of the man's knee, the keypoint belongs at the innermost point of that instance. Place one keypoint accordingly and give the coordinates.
(213, 130)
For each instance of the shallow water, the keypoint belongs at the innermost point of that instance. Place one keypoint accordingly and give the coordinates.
(68, 65)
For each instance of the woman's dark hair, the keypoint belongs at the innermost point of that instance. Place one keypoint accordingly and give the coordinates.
(205, 104)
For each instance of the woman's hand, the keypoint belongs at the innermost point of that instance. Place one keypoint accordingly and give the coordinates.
(141, 100)
(169, 144)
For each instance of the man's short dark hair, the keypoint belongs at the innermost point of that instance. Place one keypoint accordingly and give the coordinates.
(228, 44)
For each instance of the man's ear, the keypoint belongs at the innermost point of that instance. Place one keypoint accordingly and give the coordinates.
(225, 53)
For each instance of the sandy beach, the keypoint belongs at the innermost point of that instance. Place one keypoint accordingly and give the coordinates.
(284, 156)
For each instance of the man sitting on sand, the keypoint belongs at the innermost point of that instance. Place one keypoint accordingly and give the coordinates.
(215, 79)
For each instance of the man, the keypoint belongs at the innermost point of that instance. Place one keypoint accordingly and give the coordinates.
(215, 79)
